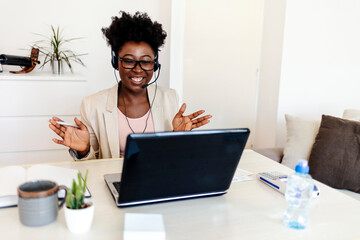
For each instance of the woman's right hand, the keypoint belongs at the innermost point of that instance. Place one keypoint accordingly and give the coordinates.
(75, 138)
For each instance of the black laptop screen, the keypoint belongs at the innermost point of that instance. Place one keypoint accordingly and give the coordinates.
(172, 164)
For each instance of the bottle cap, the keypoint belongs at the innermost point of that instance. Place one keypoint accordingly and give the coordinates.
(302, 167)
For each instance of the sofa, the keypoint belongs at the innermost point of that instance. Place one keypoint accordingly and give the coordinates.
(331, 145)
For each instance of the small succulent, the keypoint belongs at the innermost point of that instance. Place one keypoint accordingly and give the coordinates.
(76, 195)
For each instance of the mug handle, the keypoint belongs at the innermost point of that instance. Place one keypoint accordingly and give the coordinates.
(62, 187)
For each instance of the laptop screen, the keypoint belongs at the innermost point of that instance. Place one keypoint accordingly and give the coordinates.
(179, 164)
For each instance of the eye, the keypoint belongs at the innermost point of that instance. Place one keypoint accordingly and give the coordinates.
(128, 60)
(146, 62)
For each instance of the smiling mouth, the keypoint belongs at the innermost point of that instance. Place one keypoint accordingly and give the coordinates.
(137, 79)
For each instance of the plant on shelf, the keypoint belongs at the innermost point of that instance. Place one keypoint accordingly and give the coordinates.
(54, 49)
(79, 212)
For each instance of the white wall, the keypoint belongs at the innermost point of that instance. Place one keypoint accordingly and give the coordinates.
(270, 69)
(178, 16)
(320, 63)
(20, 19)
(308, 67)
(26, 103)
(221, 60)
(80, 19)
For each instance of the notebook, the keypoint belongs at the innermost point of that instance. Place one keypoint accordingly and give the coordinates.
(169, 166)
(13, 176)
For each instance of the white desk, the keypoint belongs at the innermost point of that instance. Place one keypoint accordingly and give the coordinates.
(250, 210)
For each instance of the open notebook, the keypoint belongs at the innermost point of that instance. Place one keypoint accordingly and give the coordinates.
(13, 176)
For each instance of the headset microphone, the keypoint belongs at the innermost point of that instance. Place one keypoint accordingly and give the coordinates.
(158, 68)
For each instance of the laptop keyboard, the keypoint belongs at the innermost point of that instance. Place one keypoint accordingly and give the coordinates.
(117, 186)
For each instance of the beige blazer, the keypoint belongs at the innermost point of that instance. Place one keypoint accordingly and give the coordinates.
(99, 113)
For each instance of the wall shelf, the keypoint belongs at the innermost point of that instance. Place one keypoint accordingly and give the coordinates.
(41, 76)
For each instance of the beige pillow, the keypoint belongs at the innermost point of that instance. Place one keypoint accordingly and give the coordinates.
(300, 138)
(351, 114)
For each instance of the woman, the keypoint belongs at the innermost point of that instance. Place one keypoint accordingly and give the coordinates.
(133, 105)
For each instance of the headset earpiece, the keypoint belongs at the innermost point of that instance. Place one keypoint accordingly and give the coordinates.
(157, 65)
(114, 60)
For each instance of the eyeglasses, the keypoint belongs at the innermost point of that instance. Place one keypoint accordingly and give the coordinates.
(129, 63)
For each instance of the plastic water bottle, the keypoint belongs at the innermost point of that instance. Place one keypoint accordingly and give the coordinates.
(298, 195)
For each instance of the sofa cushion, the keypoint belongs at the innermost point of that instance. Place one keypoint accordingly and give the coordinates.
(335, 156)
(275, 154)
(351, 114)
(300, 136)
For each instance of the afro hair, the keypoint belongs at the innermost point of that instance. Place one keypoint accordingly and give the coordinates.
(137, 28)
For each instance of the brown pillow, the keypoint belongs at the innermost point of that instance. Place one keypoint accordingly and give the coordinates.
(335, 156)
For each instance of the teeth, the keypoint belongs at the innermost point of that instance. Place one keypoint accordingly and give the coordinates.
(137, 79)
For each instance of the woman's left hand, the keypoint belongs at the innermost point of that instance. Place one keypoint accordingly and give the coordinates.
(189, 122)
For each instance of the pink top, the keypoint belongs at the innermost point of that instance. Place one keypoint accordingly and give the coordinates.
(137, 124)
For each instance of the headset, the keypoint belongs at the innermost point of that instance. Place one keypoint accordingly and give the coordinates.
(115, 62)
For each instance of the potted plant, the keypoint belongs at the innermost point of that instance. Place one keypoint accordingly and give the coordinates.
(55, 51)
(79, 213)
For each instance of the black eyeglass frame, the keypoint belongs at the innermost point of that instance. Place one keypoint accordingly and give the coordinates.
(136, 63)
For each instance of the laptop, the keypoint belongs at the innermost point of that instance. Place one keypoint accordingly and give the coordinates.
(168, 166)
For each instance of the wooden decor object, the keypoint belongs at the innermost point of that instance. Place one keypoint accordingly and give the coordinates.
(34, 60)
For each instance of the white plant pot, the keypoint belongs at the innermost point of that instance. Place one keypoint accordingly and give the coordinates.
(79, 220)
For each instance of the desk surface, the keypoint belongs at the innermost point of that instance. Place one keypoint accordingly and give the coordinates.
(250, 210)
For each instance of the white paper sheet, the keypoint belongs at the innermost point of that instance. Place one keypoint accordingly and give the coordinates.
(242, 175)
